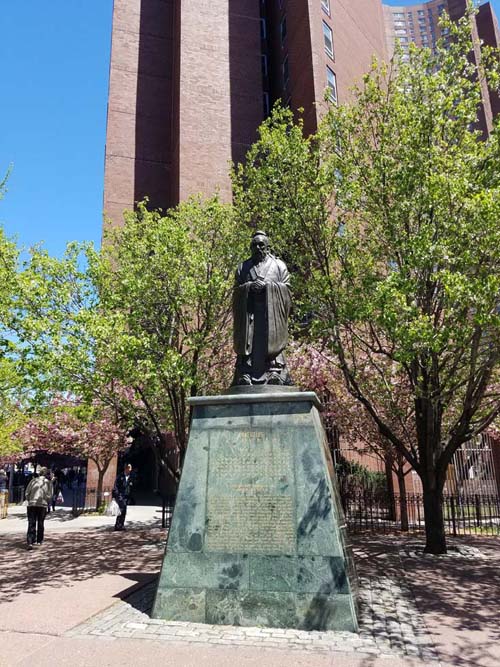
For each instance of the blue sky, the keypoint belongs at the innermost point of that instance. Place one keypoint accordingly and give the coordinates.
(55, 63)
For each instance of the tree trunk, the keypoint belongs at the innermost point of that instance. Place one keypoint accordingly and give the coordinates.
(434, 520)
(100, 481)
(428, 423)
(403, 504)
(388, 460)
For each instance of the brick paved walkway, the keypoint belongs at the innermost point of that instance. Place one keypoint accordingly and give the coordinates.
(390, 625)
(84, 598)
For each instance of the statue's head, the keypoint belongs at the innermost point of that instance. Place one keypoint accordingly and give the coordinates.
(259, 246)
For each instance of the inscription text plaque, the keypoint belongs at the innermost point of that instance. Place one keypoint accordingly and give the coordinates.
(250, 504)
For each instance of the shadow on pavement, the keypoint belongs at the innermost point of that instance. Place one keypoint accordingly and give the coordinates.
(65, 558)
(459, 597)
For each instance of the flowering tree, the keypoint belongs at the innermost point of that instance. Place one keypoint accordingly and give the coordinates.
(319, 371)
(68, 427)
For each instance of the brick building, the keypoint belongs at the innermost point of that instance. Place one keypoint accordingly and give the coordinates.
(191, 82)
(419, 23)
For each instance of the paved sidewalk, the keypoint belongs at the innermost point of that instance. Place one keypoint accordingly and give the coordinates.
(84, 597)
(62, 520)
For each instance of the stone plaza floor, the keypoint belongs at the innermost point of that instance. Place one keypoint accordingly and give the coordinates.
(390, 625)
(84, 597)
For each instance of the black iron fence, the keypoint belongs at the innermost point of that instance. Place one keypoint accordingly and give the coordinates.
(167, 511)
(86, 500)
(463, 515)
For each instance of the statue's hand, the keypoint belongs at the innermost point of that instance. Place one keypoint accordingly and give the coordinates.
(257, 285)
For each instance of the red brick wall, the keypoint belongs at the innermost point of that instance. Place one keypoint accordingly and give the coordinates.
(297, 46)
(140, 148)
(456, 9)
(92, 474)
(186, 86)
(245, 75)
(92, 477)
(487, 26)
(220, 91)
(358, 35)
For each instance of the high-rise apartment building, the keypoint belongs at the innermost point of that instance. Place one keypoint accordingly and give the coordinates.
(419, 23)
(190, 82)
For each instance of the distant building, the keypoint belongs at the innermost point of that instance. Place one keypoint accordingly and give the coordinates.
(190, 83)
(419, 23)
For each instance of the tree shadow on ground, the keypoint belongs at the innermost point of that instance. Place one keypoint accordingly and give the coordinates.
(65, 558)
(459, 597)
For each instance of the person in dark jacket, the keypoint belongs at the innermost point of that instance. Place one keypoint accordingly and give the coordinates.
(122, 491)
(56, 488)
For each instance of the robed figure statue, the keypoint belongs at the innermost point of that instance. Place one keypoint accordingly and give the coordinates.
(261, 306)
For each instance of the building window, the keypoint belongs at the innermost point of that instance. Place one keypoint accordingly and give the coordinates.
(266, 105)
(263, 29)
(331, 81)
(325, 4)
(264, 66)
(328, 39)
(286, 71)
(283, 29)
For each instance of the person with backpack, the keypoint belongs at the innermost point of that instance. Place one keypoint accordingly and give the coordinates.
(38, 495)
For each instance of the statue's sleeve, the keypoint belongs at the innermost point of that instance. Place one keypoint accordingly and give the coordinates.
(279, 303)
(240, 314)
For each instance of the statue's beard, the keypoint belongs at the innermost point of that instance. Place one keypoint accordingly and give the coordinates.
(259, 256)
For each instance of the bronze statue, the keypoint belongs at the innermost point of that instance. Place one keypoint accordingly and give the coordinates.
(261, 306)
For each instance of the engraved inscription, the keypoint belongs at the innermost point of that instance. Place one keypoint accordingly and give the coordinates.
(242, 463)
(251, 524)
(250, 508)
(252, 436)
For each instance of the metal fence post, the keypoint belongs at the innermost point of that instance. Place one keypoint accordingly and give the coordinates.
(478, 511)
(453, 516)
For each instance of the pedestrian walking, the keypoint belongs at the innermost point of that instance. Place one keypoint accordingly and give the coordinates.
(38, 495)
(4, 480)
(50, 476)
(4, 493)
(121, 493)
(56, 489)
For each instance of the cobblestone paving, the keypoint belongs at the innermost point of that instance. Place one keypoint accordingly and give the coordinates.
(390, 624)
(461, 551)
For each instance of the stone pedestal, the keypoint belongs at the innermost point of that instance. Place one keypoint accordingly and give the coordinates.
(258, 534)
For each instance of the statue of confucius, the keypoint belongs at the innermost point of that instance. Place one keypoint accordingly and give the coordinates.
(261, 306)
